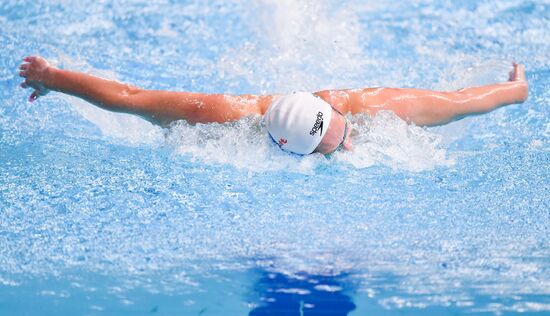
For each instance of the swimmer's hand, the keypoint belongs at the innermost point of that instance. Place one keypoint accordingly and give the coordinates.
(517, 75)
(35, 70)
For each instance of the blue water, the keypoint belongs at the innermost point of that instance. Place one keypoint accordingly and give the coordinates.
(105, 214)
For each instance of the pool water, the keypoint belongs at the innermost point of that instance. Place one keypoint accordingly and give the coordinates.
(105, 214)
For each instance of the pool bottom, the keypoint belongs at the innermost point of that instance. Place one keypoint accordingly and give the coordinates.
(254, 292)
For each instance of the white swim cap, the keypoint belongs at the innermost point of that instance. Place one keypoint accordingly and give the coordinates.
(298, 121)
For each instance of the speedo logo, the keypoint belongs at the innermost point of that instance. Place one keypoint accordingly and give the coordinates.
(318, 125)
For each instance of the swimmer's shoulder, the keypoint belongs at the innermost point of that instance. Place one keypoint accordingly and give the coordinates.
(339, 99)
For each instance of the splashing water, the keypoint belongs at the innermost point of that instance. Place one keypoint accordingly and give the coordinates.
(454, 217)
(291, 29)
(388, 140)
(302, 45)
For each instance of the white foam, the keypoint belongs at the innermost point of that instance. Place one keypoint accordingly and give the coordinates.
(479, 73)
(243, 144)
(129, 128)
(388, 140)
(303, 45)
(385, 140)
(92, 23)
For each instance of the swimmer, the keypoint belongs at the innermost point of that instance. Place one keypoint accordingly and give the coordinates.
(302, 123)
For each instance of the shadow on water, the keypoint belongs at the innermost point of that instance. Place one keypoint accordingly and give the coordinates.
(301, 294)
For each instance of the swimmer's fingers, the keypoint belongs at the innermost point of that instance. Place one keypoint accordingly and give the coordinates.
(29, 59)
(512, 73)
(33, 96)
(33, 69)
(518, 73)
(36, 61)
(38, 92)
(26, 65)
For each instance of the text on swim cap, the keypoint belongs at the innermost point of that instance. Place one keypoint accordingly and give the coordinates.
(318, 125)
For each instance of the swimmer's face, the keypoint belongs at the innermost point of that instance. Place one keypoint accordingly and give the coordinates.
(335, 134)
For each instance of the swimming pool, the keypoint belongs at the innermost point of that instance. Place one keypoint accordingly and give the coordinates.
(104, 214)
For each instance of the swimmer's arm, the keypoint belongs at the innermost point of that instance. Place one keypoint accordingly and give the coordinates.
(429, 108)
(157, 106)
(160, 107)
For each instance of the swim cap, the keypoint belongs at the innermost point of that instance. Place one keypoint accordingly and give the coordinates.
(298, 121)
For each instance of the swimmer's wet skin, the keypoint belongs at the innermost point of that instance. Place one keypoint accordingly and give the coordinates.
(296, 122)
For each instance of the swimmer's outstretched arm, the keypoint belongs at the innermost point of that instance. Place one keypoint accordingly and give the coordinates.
(428, 108)
(422, 107)
(160, 107)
